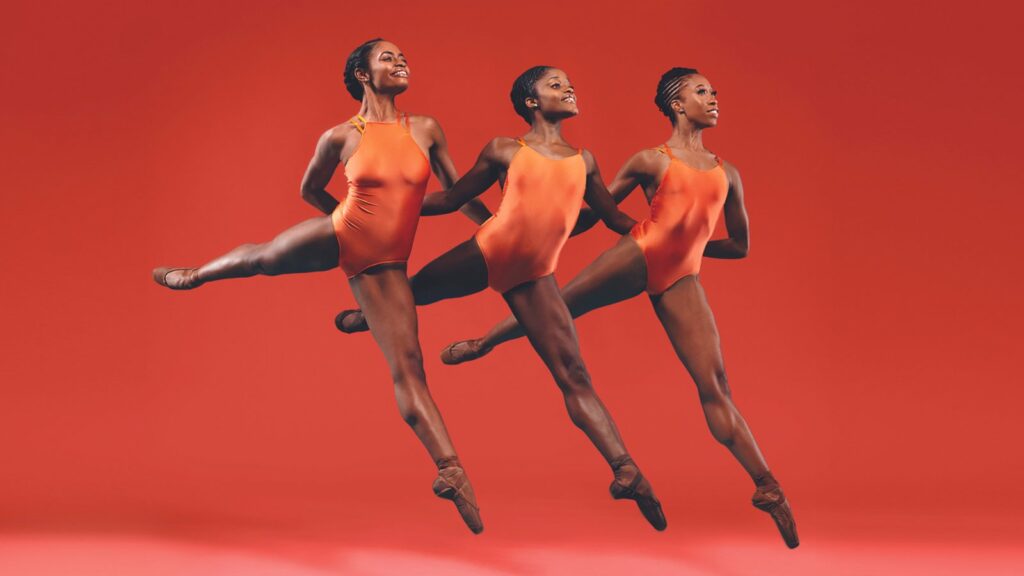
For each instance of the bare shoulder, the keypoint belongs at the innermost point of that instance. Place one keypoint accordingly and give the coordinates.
(731, 171)
(426, 124)
(648, 161)
(500, 149)
(424, 121)
(589, 160)
(336, 137)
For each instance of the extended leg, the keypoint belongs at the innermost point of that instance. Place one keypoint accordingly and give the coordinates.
(542, 313)
(309, 246)
(617, 274)
(690, 325)
(384, 295)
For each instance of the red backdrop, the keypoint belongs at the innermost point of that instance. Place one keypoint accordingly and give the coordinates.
(870, 337)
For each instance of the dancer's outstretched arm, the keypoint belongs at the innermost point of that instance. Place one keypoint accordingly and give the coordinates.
(443, 167)
(598, 198)
(736, 222)
(474, 183)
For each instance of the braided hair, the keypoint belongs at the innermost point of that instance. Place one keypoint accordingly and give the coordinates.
(668, 89)
(359, 59)
(525, 87)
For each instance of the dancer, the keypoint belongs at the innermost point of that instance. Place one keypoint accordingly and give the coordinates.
(687, 187)
(388, 157)
(544, 181)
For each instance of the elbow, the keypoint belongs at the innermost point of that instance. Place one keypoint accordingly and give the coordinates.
(449, 205)
(742, 250)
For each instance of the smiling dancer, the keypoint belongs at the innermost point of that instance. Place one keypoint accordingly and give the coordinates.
(387, 158)
(687, 187)
(544, 181)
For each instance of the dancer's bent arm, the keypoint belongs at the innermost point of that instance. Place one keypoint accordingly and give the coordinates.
(598, 198)
(443, 167)
(474, 183)
(632, 174)
(325, 160)
(736, 222)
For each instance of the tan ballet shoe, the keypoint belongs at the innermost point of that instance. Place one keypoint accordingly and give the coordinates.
(452, 484)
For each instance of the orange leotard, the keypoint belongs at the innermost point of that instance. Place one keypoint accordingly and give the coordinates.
(387, 178)
(684, 210)
(540, 203)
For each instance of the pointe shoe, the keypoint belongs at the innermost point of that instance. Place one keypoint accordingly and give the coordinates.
(639, 489)
(351, 327)
(470, 352)
(770, 499)
(452, 484)
(187, 278)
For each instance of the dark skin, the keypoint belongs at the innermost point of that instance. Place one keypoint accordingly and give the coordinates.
(383, 292)
(621, 273)
(537, 304)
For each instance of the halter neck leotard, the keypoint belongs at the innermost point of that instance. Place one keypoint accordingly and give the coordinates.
(539, 207)
(387, 178)
(684, 210)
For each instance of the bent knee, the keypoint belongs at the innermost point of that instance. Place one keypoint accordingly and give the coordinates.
(407, 368)
(714, 386)
(572, 374)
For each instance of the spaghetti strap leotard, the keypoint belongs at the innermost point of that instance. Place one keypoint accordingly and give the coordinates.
(539, 206)
(387, 178)
(684, 210)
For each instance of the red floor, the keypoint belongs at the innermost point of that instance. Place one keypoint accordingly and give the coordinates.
(679, 555)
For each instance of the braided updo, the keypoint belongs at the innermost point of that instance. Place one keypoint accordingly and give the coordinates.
(668, 89)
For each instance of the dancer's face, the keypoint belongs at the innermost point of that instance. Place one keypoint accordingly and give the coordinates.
(697, 101)
(389, 70)
(556, 96)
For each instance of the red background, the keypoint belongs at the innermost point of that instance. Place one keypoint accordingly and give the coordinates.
(871, 336)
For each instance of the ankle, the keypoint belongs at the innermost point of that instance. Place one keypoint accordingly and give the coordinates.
(765, 480)
(621, 462)
(448, 462)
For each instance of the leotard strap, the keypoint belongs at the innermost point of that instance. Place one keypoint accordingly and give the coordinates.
(361, 128)
(664, 149)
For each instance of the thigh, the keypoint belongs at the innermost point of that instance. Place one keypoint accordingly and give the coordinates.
(618, 274)
(384, 296)
(690, 325)
(308, 246)
(458, 272)
(544, 317)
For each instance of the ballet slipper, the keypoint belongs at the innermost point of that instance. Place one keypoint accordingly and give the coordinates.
(639, 490)
(352, 327)
(452, 484)
(186, 280)
(770, 499)
(470, 352)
